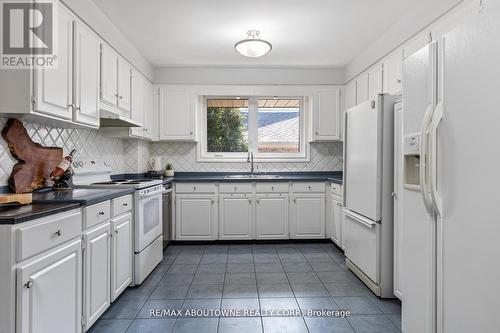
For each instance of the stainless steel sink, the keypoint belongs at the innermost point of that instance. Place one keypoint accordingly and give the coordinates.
(253, 177)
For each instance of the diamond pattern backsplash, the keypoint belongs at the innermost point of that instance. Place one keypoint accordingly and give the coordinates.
(88, 142)
(131, 156)
(325, 156)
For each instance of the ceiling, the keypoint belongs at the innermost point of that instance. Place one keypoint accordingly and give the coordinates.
(318, 33)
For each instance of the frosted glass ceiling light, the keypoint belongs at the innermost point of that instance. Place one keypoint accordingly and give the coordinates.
(253, 46)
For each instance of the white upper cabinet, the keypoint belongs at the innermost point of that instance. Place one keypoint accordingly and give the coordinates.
(137, 112)
(124, 75)
(393, 72)
(327, 115)
(115, 82)
(375, 81)
(176, 114)
(53, 87)
(362, 88)
(109, 75)
(150, 122)
(87, 71)
(350, 95)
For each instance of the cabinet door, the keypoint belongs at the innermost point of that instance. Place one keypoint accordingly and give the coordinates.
(87, 72)
(271, 216)
(236, 219)
(96, 273)
(109, 75)
(137, 112)
(362, 88)
(326, 115)
(53, 87)
(350, 95)
(150, 116)
(176, 115)
(124, 85)
(196, 217)
(393, 72)
(307, 216)
(121, 254)
(335, 220)
(375, 82)
(49, 292)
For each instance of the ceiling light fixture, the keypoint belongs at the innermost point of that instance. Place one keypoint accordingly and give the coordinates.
(253, 46)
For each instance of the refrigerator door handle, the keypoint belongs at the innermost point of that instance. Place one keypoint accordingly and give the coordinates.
(436, 120)
(360, 218)
(424, 173)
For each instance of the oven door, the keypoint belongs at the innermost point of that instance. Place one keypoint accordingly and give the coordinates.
(148, 220)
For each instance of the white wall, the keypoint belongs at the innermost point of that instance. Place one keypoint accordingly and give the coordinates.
(246, 75)
(407, 27)
(93, 16)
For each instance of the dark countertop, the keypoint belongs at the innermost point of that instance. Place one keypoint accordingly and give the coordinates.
(335, 177)
(82, 196)
(23, 213)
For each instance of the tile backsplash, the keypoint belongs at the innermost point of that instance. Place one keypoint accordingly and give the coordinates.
(88, 142)
(131, 155)
(325, 156)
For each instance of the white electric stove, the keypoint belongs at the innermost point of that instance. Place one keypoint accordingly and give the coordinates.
(148, 248)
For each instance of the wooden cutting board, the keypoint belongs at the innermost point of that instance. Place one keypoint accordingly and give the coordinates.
(35, 162)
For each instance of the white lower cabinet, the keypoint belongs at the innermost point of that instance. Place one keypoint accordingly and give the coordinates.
(307, 216)
(336, 231)
(271, 216)
(121, 254)
(49, 291)
(236, 216)
(196, 216)
(96, 273)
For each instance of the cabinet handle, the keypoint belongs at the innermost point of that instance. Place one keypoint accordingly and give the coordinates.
(116, 231)
(294, 200)
(309, 187)
(258, 200)
(101, 213)
(190, 132)
(194, 188)
(71, 106)
(116, 95)
(212, 201)
(120, 97)
(317, 133)
(398, 80)
(272, 188)
(29, 284)
(125, 204)
(58, 232)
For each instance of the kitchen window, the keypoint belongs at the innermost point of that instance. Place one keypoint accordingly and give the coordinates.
(272, 128)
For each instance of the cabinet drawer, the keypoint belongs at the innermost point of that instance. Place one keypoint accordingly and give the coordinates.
(336, 188)
(47, 233)
(308, 187)
(235, 188)
(195, 188)
(95, 214)
(121, 205)
(271, 187)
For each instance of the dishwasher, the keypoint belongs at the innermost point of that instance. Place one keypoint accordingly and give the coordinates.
(167, 214)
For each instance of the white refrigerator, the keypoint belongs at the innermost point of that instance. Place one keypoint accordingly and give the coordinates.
(367, 232)
(449, 197)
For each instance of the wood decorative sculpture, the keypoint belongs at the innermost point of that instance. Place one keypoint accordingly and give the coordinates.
(35, 162)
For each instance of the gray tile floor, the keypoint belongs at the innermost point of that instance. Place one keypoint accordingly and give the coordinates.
(261, 277)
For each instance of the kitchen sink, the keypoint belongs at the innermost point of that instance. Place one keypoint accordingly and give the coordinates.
(253, 177)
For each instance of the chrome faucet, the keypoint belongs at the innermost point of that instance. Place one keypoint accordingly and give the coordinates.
(250, 160)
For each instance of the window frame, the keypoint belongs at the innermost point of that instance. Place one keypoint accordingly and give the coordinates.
(253, 119)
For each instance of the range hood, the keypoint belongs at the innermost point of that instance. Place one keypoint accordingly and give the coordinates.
(114, 119)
